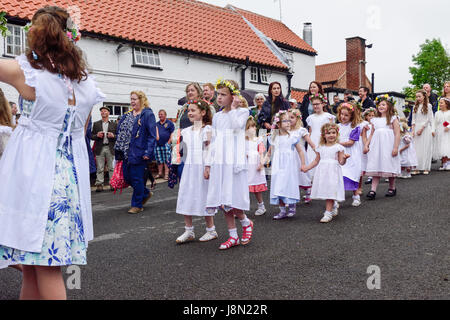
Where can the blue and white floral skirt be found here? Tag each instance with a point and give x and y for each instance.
(64, 235)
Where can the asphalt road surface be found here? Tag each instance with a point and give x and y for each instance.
(404, 240)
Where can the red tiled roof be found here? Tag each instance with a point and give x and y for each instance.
(182, 24)
(298, 95)
(276, 30)
(330, 71)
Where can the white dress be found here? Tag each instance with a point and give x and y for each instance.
(26, 193)
(328, 181)
(228, 182)
(193, 186)
(442, 137)
(408, 158)
(304, 179)
(284, 179)
(424, 142)
(380, 162)
(315, 122)
(352, 168)
(364, 155)
(255, 177)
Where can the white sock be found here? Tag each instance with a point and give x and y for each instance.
(328, 212)
(213, 228)
(356, 197)
(190, 229)
(261, 205)
(245, 222)
(282, 209)
(233, 233)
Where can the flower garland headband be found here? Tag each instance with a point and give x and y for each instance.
(318, 96)
(369, 110)
(295, 112)
(385, 97)
(72, 31)
(229, 85)
(277, 117)
(348, 106)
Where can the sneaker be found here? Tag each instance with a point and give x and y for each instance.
(208, 236)
(260, 211)
(186, 237)
(426, 172)
(231, 242)
(404, 175)
(291, 213)
(135, 210)
(334, 211)
(247, 234)
(356, 202)
(409, 176)
(442, 168)
(327, 217)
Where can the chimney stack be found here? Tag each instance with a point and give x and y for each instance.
(356, 62)
(307, 33)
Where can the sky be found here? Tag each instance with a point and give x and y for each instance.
(396, 28)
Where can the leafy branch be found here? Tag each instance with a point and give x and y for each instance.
(3, 25)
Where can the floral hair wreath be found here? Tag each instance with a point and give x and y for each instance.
(199, 103)
(385, 97)
(348, 106)
(72, 31)
(296, 112)
(229, 85)
(277, 116)
(318, 96)
(369, 110)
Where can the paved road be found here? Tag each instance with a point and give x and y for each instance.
(135, 257)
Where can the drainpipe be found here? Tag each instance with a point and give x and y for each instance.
(247, 62)
(289, 78)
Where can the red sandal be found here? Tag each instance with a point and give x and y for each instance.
(247, 234)
(231, 242)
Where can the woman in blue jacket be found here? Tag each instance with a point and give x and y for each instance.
(136, 135)
(272, 105)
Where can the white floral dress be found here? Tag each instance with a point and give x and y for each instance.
(64, 242)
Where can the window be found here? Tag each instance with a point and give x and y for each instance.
(117, 109)
(15, 43)
(264, 75)
(254, 74)
(259, 75)
(146, 57)
(290, 57)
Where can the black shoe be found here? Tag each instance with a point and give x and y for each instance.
(368, 181)
(371, 195)
(391, 193)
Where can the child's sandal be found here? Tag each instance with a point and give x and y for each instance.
(391, 193)
(231, 242)
(371, 195)
(247, 234)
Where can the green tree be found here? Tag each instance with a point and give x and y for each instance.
(432, 65)
(410, 92)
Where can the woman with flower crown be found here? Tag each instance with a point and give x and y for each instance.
(45, 207)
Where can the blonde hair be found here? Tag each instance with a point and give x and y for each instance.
(325, 128)
(299, 122)
(403, 126)
(5, 111)
(355, 115)
(223, 85)
(142, 98)
(197, 87)
(245, 102)
(250, 123)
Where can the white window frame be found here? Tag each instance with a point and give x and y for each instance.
(123, 109)
(264, 75)
(254, 74)
(143, 57)
(22, 39)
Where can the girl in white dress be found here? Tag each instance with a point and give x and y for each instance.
(257, 183)
(382, 149)
(228, 185)
(315, 123)
(328, 181)
(193, 189)
(366, 134)
(350, 137)
(423, 131)
(297, 129)
(442, 124)
(408, 158)
(284, 181)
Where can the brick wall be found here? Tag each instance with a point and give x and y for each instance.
(356, 51)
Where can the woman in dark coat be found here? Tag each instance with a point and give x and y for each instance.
(274, 103)
(306, 107)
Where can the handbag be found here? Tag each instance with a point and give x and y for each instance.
(117, 181)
